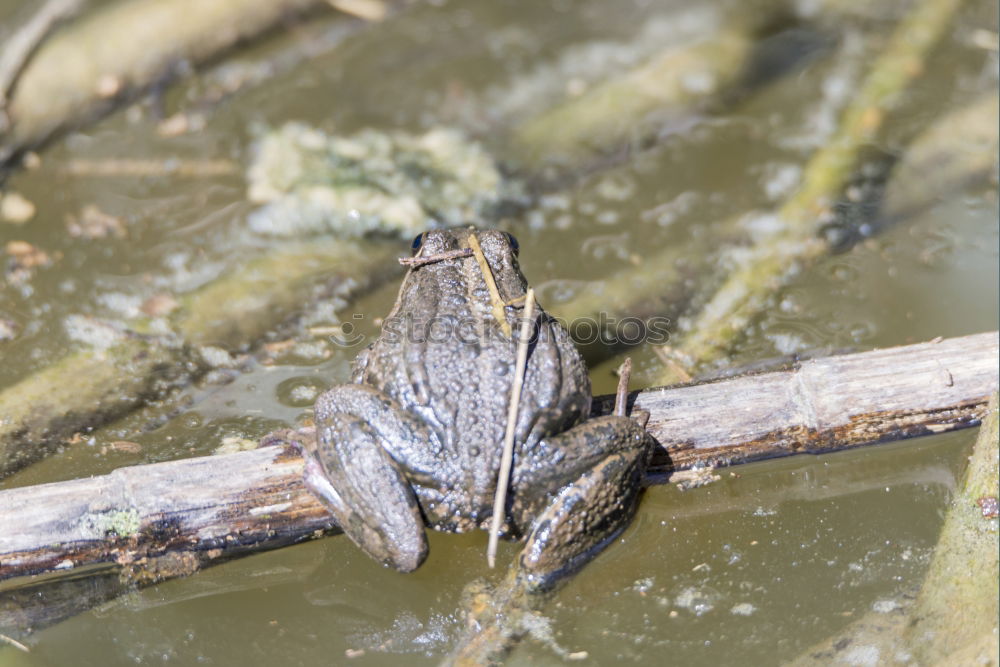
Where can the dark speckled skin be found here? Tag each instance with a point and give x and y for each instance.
(417, 439)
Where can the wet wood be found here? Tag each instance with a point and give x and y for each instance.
(168, 519)
(197, 509)
(824, 405)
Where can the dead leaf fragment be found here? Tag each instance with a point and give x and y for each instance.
(93, 223)
(108, 85)
(126, 446)
(15, 208)
(8, 329)
(159, 305)
(989, 506)
(24, 258)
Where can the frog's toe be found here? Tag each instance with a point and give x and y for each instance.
(583, 518)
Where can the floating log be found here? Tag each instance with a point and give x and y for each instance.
(168, 519)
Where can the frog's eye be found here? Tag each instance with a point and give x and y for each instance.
(515, 246)
(418, 241)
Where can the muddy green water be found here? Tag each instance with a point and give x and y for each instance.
(751, 570)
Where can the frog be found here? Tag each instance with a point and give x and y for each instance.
(414, 441)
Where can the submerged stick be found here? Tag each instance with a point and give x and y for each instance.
(119, 50)
(957, 606)
(507, 456)
(92, 386)
(761, 271)
(19, 47)
(631, 107)
(217, 506)
(951, 619)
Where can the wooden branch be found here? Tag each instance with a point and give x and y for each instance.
(166, 519)
(825, 405)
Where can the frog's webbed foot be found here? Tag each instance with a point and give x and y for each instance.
(354, 476)
(590, 509)
(583, 518)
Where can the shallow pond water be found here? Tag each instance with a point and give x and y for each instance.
(753, 569)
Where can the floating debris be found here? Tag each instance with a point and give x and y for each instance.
(8, 329)
(159, 305)
(401, 184)
(23, 259)
(93, 223)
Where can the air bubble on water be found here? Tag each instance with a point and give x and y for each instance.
(699, 82)
(536, 219)
(786, 343)
(608, 217)
(780, 178)
(762, 226)
(885, 606)
(697, 601)
(303, 393)
(643, 585)
(616, 188)
(126, 305)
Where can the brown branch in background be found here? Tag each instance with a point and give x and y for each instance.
(119, 50)
(18, 48)
(369, 10)
(620, 111)
(139, 167)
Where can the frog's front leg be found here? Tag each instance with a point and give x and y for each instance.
(356, 478)
(591, 509)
